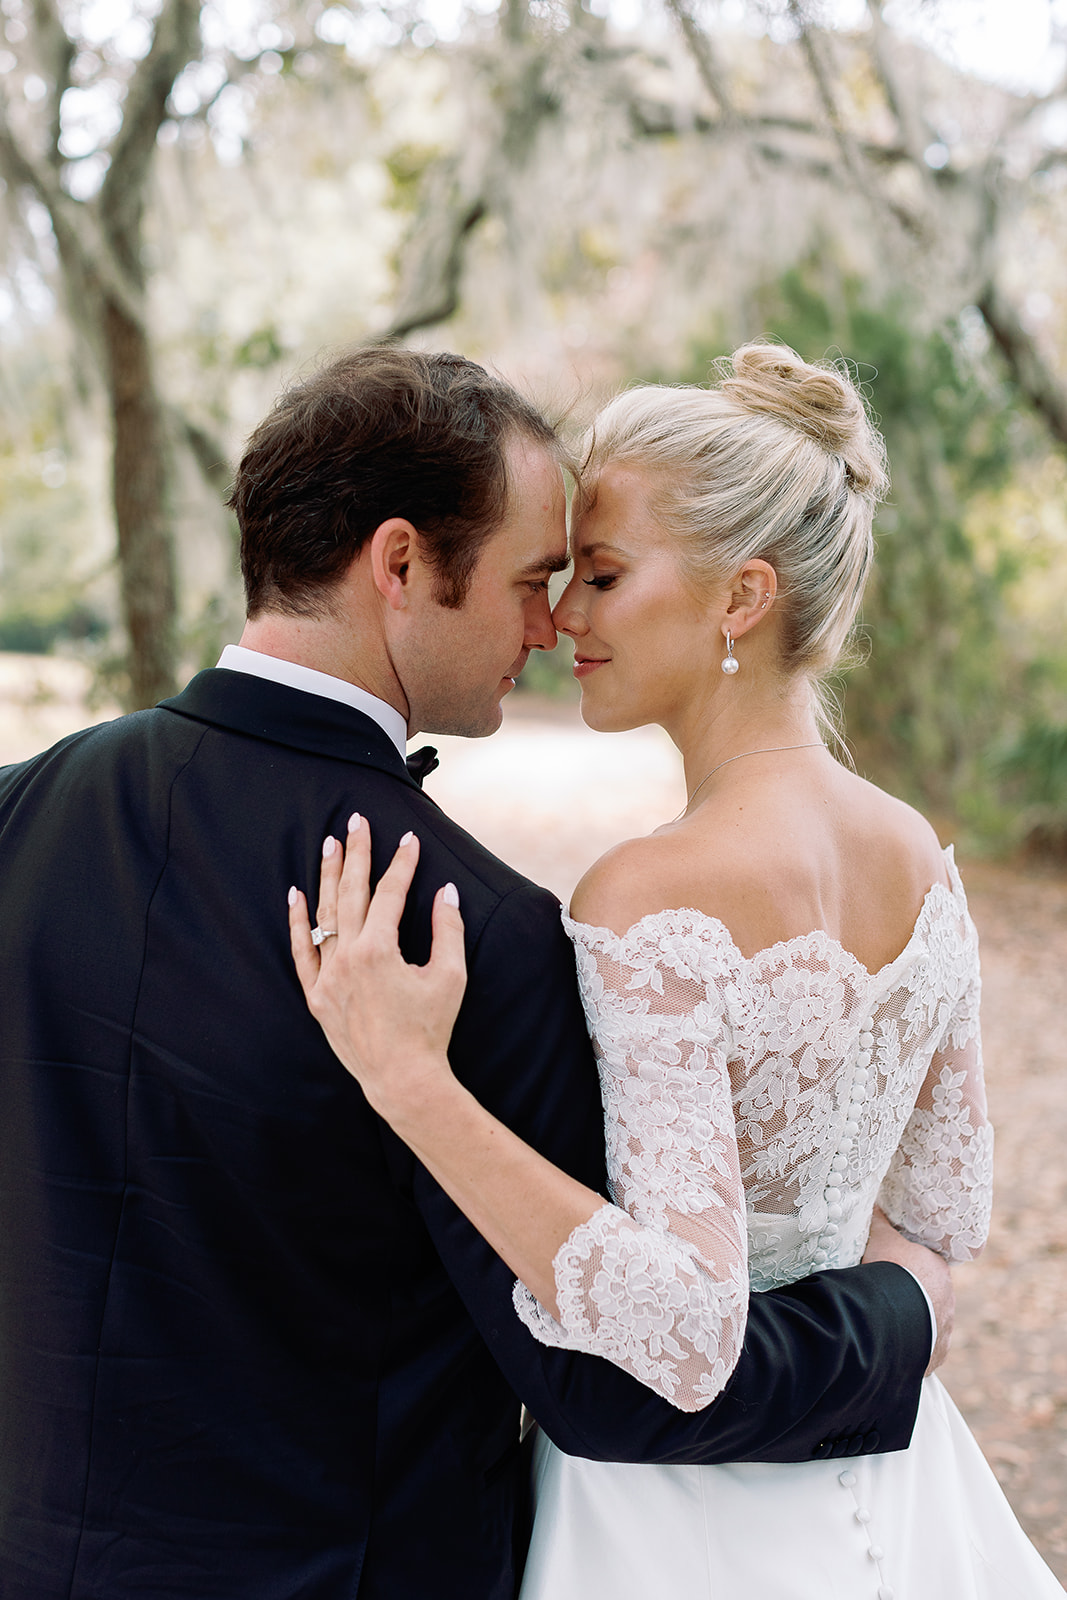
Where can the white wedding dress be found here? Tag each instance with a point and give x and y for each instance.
(755, 1110)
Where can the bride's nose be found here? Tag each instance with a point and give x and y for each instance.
(567, 614)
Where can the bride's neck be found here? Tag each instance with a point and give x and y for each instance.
(741, 719)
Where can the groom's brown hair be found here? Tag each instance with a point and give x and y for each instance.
(377, 433)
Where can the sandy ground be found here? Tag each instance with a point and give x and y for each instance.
(42, 699)
(550, 797)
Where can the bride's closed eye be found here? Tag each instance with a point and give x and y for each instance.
(602, 583)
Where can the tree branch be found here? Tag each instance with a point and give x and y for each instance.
(432, 294)
(55, 51)
(1031, 372)
(175, 42)
(1050, 160)
(700, 48)
(849, 149)
(210, 455)
(914, 134)
(77, 232)
(513, 20)
(853, 153)
(457, 193)
(659, 119)
(846, 144)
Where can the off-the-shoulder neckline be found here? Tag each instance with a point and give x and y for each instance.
(953, 889)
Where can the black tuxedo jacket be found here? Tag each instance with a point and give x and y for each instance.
(248, 1349)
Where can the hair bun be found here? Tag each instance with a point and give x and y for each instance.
(820, 399)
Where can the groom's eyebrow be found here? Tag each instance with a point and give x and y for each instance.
(551, 564)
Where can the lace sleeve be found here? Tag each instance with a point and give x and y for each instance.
(658, 1281)
(939, 1187)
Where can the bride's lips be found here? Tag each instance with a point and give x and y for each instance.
(584, 665)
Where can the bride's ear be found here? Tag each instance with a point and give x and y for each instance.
(751, 597)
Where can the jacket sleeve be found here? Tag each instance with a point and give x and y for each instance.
(830, 1366)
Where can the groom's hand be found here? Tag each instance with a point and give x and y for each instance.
(932, 1271)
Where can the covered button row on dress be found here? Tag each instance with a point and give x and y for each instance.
(839, 1165)
(885, 1591)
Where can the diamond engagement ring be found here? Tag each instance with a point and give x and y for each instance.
(320, 935)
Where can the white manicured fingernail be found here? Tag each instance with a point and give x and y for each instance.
(406, 839)
(450, 895)
(328, 848)
(293, 895)
(354, 821)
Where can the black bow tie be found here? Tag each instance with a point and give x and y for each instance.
(420, 762)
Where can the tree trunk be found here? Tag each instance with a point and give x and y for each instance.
(139, 487)
(1036, 379)
(100, 251)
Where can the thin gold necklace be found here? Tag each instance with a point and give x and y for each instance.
(773, 751)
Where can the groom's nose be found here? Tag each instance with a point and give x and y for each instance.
(540, 632)
(567, 616)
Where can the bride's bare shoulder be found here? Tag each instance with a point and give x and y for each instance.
(632, 880)
(773, 869)
(889, 831)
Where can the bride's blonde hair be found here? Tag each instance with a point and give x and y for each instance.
(778, 460)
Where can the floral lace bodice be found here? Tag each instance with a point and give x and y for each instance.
(755, 1110)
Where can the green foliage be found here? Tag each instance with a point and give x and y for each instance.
(37, 630)
(407, 165)
(1035, 766)
(1039, 757)
(937, 697)
(261, 349)
(43, 533)
(550, 673)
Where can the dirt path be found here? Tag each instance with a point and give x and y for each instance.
(1008, 1366)
(550, 797)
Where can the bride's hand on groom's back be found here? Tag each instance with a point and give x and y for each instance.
(932, 1271)
(388, 1021)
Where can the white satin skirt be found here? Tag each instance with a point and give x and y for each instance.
(926, 1523)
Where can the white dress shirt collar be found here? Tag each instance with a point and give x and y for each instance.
(238, 658)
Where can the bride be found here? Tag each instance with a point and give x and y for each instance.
(782, 987)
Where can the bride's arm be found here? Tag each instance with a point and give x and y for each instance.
(660, 1288)
(659, 1281)
(938, 1190)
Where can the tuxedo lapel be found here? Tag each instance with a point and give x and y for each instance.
(262, 709)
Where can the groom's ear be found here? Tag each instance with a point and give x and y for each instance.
(393, 556)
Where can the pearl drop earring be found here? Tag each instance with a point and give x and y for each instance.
(730, 663)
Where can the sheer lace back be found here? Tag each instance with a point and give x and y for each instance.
(755, 1109)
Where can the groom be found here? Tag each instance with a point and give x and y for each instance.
(248, 1350)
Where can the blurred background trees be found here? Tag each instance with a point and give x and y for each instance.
(199, 198)
(96, 220)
